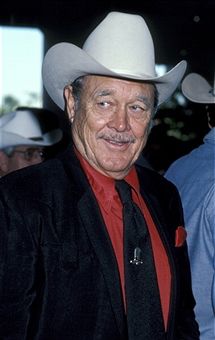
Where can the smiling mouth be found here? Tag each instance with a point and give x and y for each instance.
(118, 142)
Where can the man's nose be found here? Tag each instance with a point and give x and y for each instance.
(120, 120)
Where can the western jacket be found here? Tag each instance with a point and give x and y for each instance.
(59, 278)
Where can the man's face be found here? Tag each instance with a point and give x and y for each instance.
(112, 123)
(24, 156)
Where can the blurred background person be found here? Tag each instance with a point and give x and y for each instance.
(25, 135)
(194, 176)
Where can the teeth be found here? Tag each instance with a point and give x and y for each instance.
(117, 142)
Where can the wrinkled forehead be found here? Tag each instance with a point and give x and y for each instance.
(97, 79)
(103, 85)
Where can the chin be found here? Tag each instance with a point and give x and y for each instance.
(116, 166)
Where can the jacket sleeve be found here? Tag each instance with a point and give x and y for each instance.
(18, 265)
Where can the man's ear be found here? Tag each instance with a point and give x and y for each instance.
(4, 163)
(69, 102)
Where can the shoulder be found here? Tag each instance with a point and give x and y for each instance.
(182, 161)
(32, 180)
(182, 167)
(153, 182)
(161, 194)
(50, 177)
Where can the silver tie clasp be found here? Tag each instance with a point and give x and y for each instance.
(137, 257)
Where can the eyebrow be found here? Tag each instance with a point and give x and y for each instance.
(142, 98)
(108, 92)
(145, 100)
(105, 93)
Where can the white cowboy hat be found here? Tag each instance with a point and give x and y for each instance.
(120, 46)
(23, 128)
(197, 89)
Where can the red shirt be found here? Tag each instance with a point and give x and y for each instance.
(111, 209)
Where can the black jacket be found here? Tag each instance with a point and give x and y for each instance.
(59, 278)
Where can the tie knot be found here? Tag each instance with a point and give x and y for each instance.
(124, 190)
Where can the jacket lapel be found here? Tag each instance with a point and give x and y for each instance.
(96, 230)
(94, 226)
(153, 200)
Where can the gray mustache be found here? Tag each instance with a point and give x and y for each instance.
(118, 138)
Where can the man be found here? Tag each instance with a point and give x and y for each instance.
(71, 268)
(194, 175)
(22, 141)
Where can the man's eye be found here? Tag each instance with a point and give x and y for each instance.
(137, 108)
(103, 104)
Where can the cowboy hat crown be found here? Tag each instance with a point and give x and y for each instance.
(120, 46)
(197, 89)
(22, 127)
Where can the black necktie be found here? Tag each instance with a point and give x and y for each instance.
(144, 314)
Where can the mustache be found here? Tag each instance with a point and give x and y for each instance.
(117, 137)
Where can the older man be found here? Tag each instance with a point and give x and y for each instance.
(22, 139)
(93, 247)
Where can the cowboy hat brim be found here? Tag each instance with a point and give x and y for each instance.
(8, 139)
(197, 89)
(65, 62)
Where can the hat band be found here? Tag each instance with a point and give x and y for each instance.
(212, 91)
(36, 139)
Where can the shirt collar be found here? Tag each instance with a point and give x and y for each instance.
(103, 186)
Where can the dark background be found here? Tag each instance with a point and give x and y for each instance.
(181, 29)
